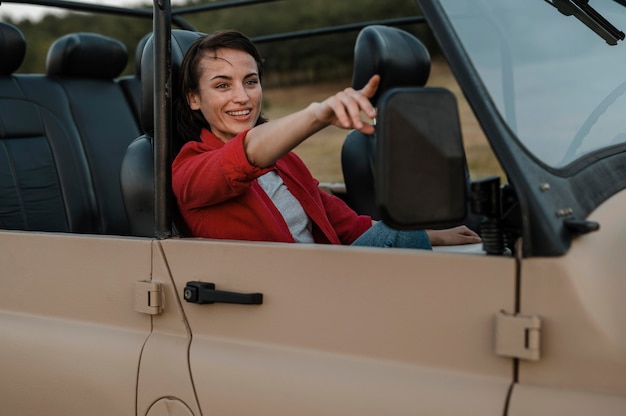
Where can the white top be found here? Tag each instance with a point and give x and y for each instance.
(298, 222)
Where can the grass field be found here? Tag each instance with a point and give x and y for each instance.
(322, 151)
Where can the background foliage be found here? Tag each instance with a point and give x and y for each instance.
(296, 61)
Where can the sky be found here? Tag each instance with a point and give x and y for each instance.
(23, 11)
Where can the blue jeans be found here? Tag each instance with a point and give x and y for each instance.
(379, 235)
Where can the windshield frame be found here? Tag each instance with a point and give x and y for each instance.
(547, 197)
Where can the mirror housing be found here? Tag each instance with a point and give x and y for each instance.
(420, 175)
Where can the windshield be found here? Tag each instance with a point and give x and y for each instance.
(556, 81)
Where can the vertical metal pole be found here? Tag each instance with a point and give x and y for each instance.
(162, 28)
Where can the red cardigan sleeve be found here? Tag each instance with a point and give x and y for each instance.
(210, 172)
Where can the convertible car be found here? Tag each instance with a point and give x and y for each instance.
(108, 306)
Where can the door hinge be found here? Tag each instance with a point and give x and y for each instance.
(148, 297)
(518, 336)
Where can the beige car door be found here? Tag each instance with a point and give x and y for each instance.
(70, 338)
(579, 298)
(343, 330)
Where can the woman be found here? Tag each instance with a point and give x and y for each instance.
(236, 177)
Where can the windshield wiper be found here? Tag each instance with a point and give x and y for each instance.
(581, 10)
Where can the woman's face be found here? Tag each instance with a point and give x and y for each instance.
(230, 93)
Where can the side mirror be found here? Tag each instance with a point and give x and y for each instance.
(420, 174)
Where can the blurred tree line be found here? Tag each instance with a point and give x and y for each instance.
(300, 60)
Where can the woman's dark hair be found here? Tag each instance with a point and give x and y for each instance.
(189, 122)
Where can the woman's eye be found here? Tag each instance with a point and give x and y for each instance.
(252, 82)
(220, 86)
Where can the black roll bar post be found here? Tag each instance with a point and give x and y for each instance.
(162, 29)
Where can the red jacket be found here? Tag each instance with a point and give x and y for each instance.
(219, 197)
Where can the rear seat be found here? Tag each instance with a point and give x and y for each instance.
(85, 65)
(63, 136)
(44, 178)
(131, 84)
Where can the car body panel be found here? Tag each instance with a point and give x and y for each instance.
(166, 383)
(344, 330)
(70, 335)
(529, 400)
(580, 298)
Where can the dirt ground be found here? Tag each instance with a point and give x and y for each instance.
(322, 152)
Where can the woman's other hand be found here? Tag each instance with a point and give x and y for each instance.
(453, 236)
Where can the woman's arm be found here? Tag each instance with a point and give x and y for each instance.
(451, 236)
(268, 142)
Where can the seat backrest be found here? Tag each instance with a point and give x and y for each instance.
(45, 183)
(137, 171)
(86, 65)
(131, 84)
(401, 60)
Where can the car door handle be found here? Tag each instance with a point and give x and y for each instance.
(203, 293)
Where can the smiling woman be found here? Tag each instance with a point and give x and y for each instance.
(236, 176)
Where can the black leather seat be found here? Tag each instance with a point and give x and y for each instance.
(401, 60)
(45, 182)
(86, 65)
(137, 173)
(63, 135)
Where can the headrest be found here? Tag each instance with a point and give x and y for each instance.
(139, 53)
(181, 40)
(397, 56)
(86, 55)
(12, 48)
